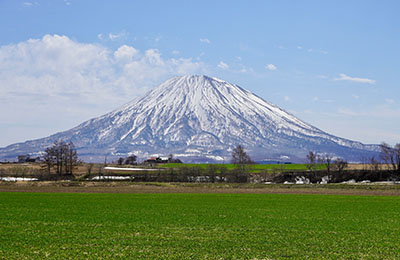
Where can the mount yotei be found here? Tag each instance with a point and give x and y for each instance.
(198, 118)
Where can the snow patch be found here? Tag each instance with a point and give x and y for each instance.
(17, 179)
(129, 169)
(105, 177)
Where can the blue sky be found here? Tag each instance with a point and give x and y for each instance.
(334, 64)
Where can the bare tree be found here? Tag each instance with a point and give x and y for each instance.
(327, 160)
(70, 158)
(374, 164)
(89, 168)
(391, 156)
(239, 156)
(397, 155)
(62, 156)
(311, 161)
(340, 164)
(211, 171)
(48, 160)
(54, 156)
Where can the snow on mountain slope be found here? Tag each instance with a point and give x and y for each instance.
(198, 117)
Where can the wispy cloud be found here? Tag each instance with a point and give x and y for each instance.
(113, 36)
(205, 40)
(116, 36)
(380, 111)
(354, 79)
(311, 50)
(270, 67)
(223, 65)
(29, 4)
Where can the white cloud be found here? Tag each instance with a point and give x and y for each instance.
(175, 52)
(223, 65)
(56, 77)
(353, 79)
(390, 101)
(125, 52)
(205, 40)
(286, 98)
(271, 67)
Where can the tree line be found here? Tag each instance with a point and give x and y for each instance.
(63, 158)
(389, 155)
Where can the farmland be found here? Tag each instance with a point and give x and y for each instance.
(82, 169)
(198, 226)
(252, 167)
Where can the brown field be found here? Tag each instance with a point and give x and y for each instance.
(79, 171)
(359, 166)
(129, 187)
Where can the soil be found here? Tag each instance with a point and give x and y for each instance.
(128, 187)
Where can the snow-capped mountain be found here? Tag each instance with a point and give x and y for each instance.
(198, 118)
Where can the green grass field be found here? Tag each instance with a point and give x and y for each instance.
(198, 226)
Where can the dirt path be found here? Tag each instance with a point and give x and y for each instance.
(126, 187)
